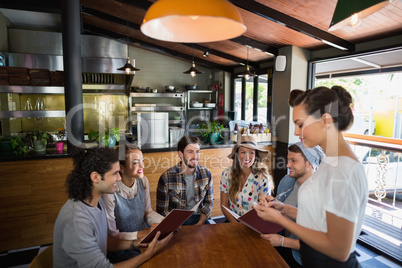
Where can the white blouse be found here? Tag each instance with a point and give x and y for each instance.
(340, 187)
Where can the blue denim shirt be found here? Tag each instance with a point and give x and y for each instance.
(286, 184)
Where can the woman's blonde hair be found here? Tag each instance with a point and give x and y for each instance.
(257, 168)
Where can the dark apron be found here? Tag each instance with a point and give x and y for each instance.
(312, 258)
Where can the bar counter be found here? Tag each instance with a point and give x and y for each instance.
(32, 189)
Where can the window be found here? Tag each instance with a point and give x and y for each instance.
(249, 99)
(255, 95)
(237, 98)
(377, 109)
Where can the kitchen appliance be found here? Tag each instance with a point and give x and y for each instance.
(152, 128)
(176, 134)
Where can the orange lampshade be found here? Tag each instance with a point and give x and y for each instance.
(193, 21)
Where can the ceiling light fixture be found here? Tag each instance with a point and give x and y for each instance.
(247, 74)
(128, 68)
(193, 71)
(351, 13)
(193, 21)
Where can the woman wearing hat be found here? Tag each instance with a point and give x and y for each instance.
(246, 180)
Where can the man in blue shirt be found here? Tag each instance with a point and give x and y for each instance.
(302, 162)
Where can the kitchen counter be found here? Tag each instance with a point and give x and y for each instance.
(51, 153)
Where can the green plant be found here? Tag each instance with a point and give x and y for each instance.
(38, 135)
(105, 137)
(19, 145)
(206, 128)
(61, 133)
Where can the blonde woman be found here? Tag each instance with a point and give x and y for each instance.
(246, 180)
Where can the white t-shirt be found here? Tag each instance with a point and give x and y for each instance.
(340, 187)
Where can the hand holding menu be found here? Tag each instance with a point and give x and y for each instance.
(173, 220)
(252, 220)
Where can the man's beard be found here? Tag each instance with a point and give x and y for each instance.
(188, 164)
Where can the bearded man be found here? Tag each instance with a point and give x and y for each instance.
(187, 183)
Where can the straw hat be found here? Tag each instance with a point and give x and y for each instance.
(251, 143)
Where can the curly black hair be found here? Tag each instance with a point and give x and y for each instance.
(99, 159)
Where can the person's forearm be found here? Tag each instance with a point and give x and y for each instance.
(320, 241)
(227, 215)
(289, 211)
(135, 261)
(203, 218)
(114, 244)
(291, 243)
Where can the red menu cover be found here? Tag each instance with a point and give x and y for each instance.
(253, 221)
(170, 224)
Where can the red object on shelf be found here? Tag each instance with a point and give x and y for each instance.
(220, 100)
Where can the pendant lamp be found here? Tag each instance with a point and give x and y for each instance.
(193, 21)
(128, 68)
(193, 71)
(247, 74)
(351, 12)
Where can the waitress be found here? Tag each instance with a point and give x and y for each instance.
(332, 203)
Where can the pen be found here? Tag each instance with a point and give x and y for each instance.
(281, 194)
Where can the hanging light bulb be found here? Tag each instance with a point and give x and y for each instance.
(193, 71)
(247, 74)
(352, 12)
(128, 68)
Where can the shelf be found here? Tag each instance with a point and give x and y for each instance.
(157, 95)
(172, 122)
(157, 109)
(199, 91)
(31, 90)
(24, 114)
(201, 108)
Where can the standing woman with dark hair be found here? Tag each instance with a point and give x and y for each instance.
(246, 180)
(331, 204)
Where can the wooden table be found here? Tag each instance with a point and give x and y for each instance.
(217, 245)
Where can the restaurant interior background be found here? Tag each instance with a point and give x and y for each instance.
(263, 98)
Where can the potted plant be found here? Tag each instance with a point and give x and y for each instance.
(38, 140)
(19, 145)
(108, 138)
(210, 131)
(61, 133)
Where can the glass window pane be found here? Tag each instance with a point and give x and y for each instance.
(377, 103)
(262, 97)
(249, 99)
(237, 98)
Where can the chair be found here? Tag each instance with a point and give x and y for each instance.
(44, 259)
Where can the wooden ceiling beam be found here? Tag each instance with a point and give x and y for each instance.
(169, 52)
(108, 17)
(295, 24)
(252, 43)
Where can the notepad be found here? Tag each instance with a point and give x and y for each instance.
(171, 223)
(253, 221)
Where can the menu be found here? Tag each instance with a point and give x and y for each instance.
(253, 221)
(171, 223)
